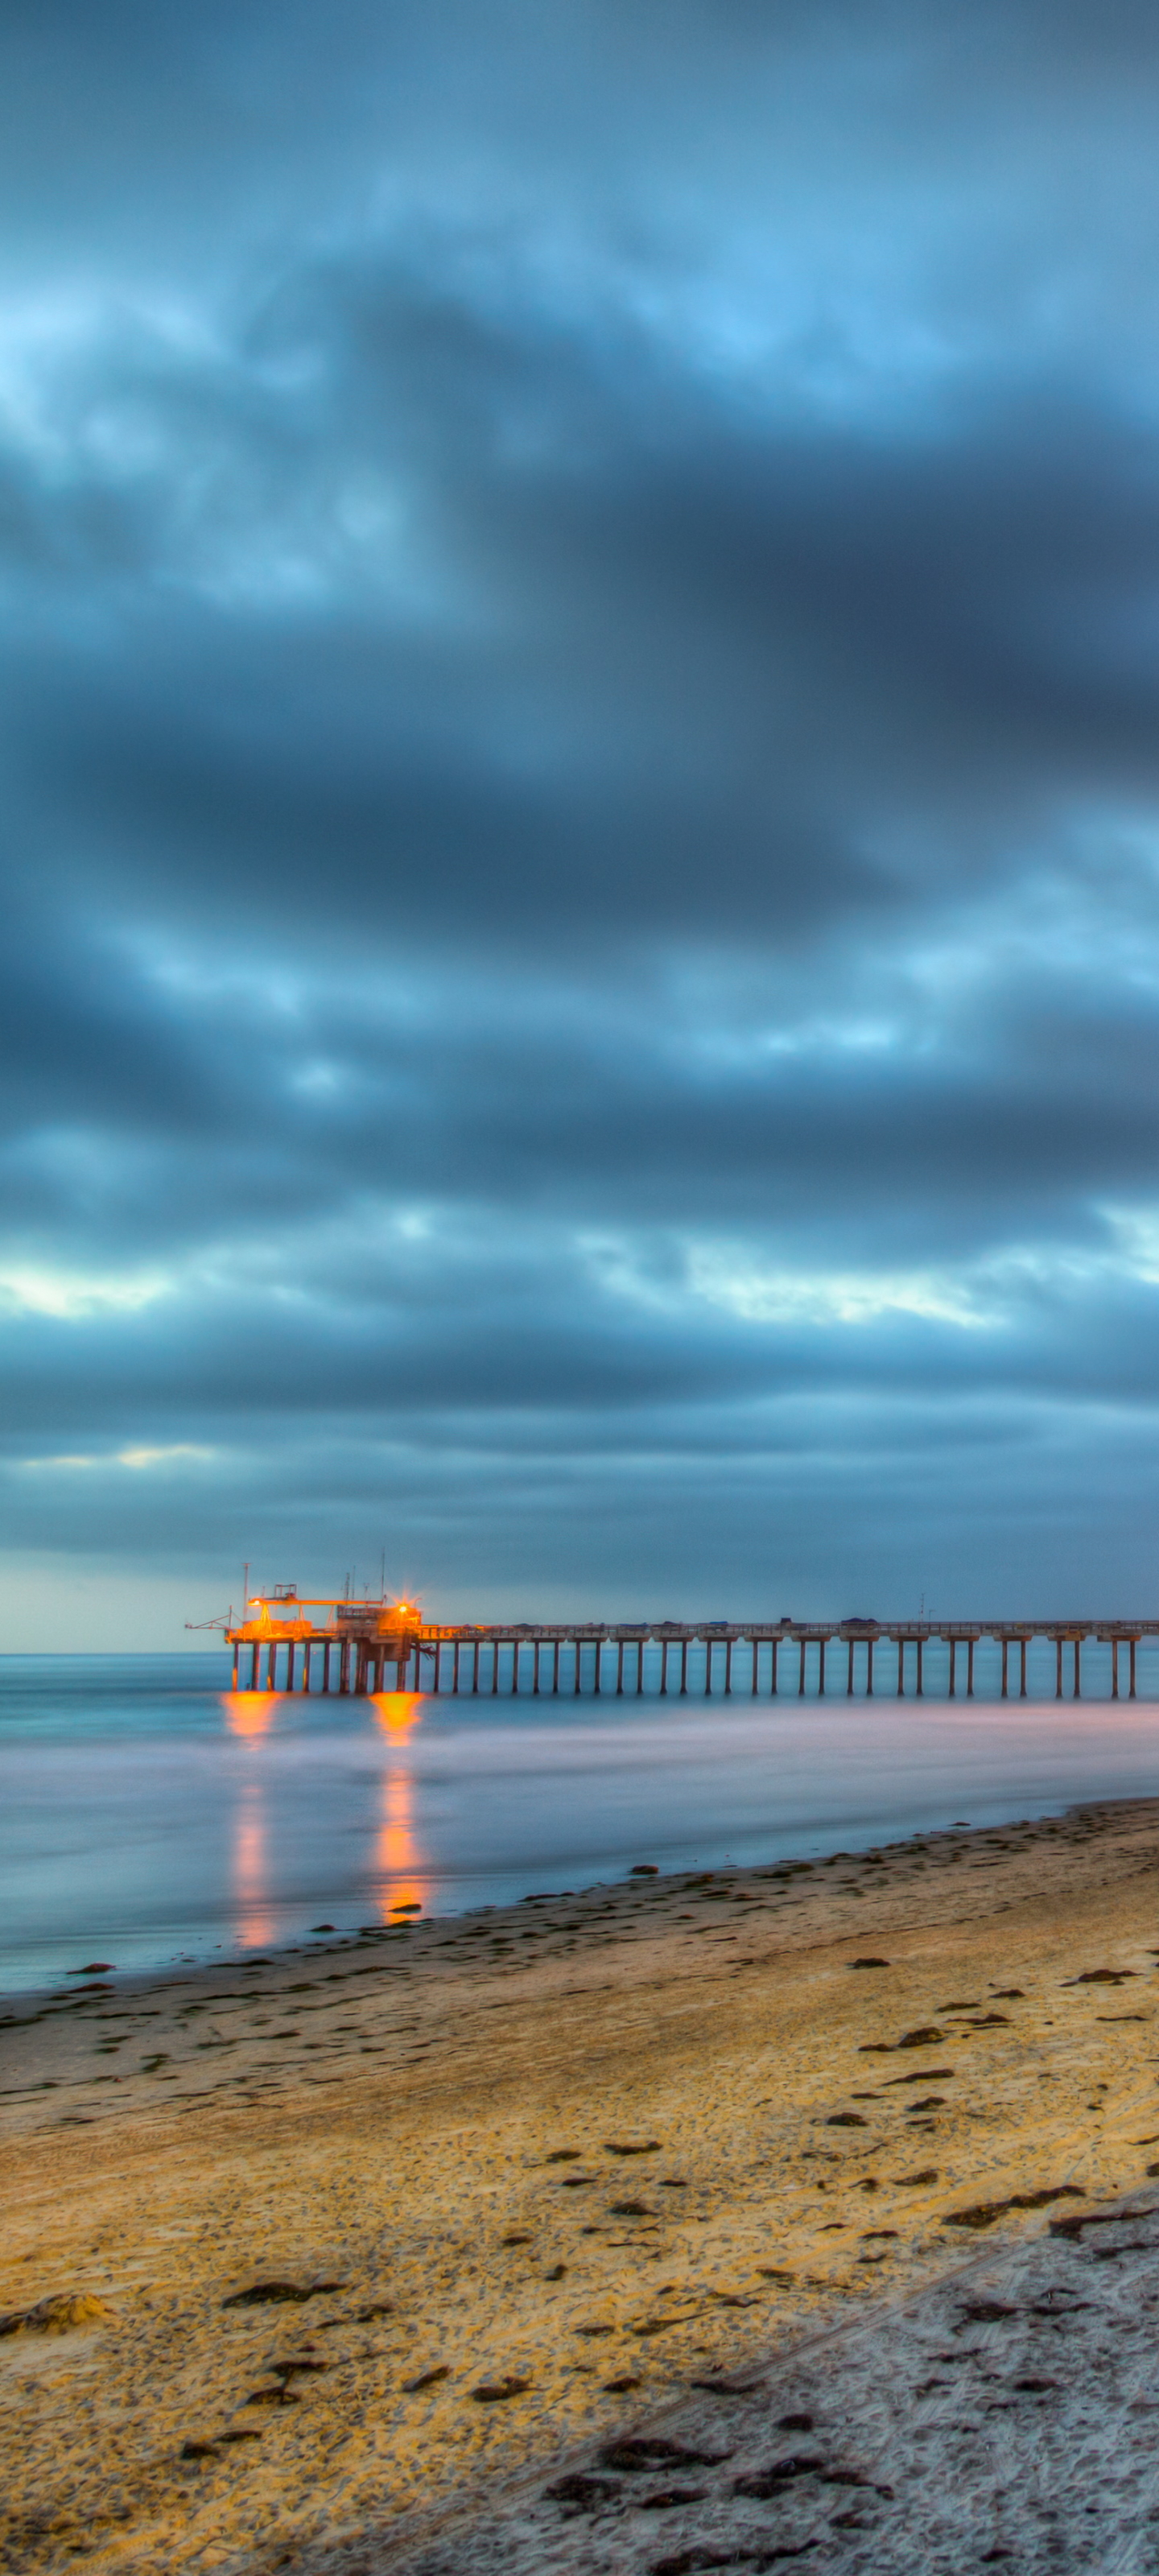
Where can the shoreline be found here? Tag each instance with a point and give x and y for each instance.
(322, 1942)
(656, 2141)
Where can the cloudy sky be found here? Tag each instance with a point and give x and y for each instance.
(580, 633)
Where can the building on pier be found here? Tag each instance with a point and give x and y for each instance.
(288, 1642)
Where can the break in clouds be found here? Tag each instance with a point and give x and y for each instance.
(581, 964)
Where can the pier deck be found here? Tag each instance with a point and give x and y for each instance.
(371, 1646)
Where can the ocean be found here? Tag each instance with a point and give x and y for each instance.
(147, 1815)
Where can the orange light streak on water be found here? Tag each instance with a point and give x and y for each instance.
(250, 1713)
(255, 1926)
(396, 1851)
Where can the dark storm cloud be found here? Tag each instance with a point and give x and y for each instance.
(754, 652)
(578, 608)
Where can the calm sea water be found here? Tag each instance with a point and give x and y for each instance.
(147, 1815)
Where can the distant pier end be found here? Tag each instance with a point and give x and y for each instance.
(366, 1647)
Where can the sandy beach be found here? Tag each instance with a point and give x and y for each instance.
(377, 2242)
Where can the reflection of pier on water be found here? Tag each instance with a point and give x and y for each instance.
(401, 1883)
(250, 1715)
(396, 1853)
(358, 1646)
(255, 1925)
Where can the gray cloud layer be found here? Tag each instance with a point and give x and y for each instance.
(578, 627)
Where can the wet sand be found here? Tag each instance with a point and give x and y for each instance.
(536, 2177)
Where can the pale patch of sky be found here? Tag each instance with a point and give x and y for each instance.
(282, 987)
(983, 1296)
(133, 394)
(138, 1460)
(1136, 1233)
(816, 1038)
(760, 1294)
(70, 1296)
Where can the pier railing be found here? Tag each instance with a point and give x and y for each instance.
(371, 1646)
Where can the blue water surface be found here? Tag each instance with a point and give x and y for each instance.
(147, 1814)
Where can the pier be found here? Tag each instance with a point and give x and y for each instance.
(288, 1643)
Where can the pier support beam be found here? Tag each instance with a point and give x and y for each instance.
(1078, 1686)
(1058, 1668)
(921, 1679)
(640, 1669)
(1005, 1653)
(953, 1667)
(801, 1668)
(756, 1665)
(708, 1668)
(555, 1670)
(970, 1645)
(728, 1669)
(849, 1676)
(1114, 1667)
(901, 1667)
(869, 1645)
(455, 1667)
(236, 1653)
(821, 1669)
(1022, 1678)
(683, 1667)
(620, 1669)
(1131, 1691)
(663, 1667)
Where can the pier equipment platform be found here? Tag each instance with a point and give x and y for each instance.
(372, 1646)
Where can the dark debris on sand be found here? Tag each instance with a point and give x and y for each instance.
(1036, 2447)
